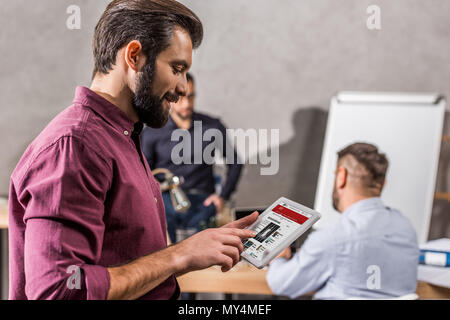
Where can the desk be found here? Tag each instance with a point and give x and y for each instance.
(246, 279)
(243, 279)
(428, 291)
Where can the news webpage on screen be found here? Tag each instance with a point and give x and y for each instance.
(281, 222)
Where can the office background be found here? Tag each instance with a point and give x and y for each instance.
(264, 64)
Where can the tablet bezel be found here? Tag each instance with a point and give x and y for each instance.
(315, 216)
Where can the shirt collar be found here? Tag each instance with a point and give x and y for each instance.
(363, 205)
(137, 130)
(108, 111)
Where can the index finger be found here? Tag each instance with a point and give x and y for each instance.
(241, 233)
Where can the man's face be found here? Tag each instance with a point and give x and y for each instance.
(184, 108)
(160, 83)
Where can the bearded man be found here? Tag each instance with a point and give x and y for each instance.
(87, 219)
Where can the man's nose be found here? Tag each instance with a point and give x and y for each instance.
(182, 86)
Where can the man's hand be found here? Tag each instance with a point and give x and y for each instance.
(217, 200)
(211, 247)
(286, 254)
(222, 246)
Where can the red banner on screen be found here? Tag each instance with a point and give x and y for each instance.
(292, 215)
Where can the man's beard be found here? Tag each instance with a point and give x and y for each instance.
(149, 107)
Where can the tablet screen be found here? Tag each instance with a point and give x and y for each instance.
(275, 226)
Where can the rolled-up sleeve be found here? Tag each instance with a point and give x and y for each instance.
(64, 191)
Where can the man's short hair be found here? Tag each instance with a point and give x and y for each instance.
(151, 22)
(371, 165)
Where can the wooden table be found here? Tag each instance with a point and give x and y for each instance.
(428, 291)
(243, 279)
(246, 279)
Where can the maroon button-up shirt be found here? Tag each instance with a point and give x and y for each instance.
(82, 199)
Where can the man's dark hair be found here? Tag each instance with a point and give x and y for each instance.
(151, 22)
(374, 163)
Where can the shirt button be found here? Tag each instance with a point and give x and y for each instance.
(126, 133)
(156, 200)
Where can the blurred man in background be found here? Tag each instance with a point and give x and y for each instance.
(199, 180)
(371, 252)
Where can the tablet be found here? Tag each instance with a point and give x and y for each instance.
(276, 229)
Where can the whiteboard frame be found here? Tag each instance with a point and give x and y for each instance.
(329, 154)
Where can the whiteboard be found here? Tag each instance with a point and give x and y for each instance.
(408, 129)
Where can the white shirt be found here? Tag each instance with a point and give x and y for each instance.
(371, 252)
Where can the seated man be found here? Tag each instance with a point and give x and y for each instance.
(371, 252)
(199, 182)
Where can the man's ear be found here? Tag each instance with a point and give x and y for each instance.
(134, 56)
(341, 179)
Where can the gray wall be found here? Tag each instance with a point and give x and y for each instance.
(263, 64)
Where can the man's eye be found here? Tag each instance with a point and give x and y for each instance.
(176, 71)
